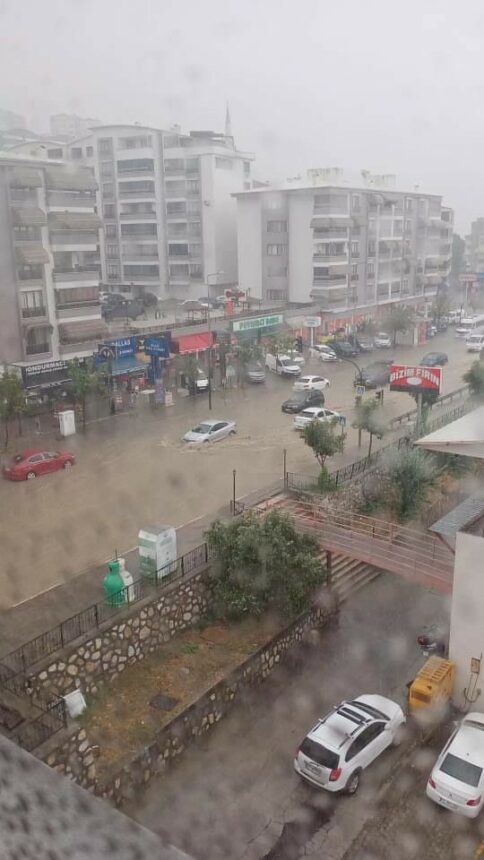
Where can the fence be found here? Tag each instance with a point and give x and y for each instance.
(412, 415)
(33, 733)
(90, 619)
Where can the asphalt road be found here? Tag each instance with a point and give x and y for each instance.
(133, 470)
(234, 794)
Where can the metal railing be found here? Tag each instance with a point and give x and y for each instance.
(34, 732)
(93, 617)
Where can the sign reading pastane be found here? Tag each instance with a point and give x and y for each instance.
(406, 377)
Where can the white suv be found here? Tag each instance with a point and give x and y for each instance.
(347, 740)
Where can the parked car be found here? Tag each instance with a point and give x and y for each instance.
(33, 462)
(364, 343)
(457, 778)
(207, 302)
(305, 383)
(198, 383)
(344, 742)
(256, 372)
(454, 317)
(122, 309)
(343, 348)
(284, 365)
(302, 399)
(475, 342)
(434, 359)
(210, 431)
(315, 413)
(323, 352)
(375, 374)
(383, 340)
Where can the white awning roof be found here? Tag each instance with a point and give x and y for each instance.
(464, 436)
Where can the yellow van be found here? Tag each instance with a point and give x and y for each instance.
(432, 688)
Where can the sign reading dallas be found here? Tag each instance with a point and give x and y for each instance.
(406, 377)
(257, 322)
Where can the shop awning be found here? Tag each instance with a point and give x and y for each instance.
(65, 179)
(74, 220)
(193, 342)
(25, 177)
(79, 332)
(31, 255)
(28, 216)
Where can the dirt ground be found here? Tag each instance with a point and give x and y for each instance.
(120, 719)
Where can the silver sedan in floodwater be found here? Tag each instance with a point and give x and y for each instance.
(210, 431)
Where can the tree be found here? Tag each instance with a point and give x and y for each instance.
(368, 417)
(83, 381)
(263, 564)
(410, 475)
(326, 440)
(282, 344)
(190, 370)
(440, 307)
(474, 378)
(247, 351)
(12, 400)
(400, 319)
(457, 265)
(367, 327)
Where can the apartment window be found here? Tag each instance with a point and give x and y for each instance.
(108, 189)
(276, 250)
(27, 234)
(273, 201)
(141, 271)
(405, 285)
(139, 188)
(395, 288)
(193, 207)
(77, 295)
(192, 165)
(371, 247)
(194, 229)
(320, 273)
(131, 249)
(112, 270)
(142, 229)
(409, 204)
(370, 267)
(246, 168)
(331, 203)
(171, 140)
(89, 151)
(136, 165)
(193, 186)
(276, 295)
(277, 226)
(355, 249)
(175, 189)
(174, 165)
(180, 271)
(371, 225)
(178, 250)
(111, 231)
(196, 271)
(30, 273)
(223, 163)
(32, 303)
(382, 291)
(106, 169)
(54, 153)
(354, 272)
(408, 226)
(355, 203)
(76, 152)
(109, 210)
(112, 251)
(176, 208)
(135, 142)
(105, 145)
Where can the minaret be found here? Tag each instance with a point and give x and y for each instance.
(228, 122)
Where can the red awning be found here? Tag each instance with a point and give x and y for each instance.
(193, 342)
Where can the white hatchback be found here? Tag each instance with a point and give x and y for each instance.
(344, 742)
(457, 778)
(323, 352)
(308, 383)
(316, 413)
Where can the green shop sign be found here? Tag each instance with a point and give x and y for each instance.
(257, 322)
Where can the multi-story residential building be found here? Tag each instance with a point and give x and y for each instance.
(345, 248)
(49, 261)
(167, 207)
(474, 254)
(70, 126)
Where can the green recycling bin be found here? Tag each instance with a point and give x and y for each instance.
(114, 585)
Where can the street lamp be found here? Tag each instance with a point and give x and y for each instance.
(209, 320)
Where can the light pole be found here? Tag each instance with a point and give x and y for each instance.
(209, 321)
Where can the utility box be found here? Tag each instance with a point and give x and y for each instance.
(157, 551)
(432, 688)
(67, 422)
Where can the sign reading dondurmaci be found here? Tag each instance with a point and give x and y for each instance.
(257, 322)
(407, 377)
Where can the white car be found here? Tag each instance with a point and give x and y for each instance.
(316, 413)
(345, 741)
(457, 778)
(383, 340)
(307, 383)
(323, 352)
(284, 365)
(210, 431)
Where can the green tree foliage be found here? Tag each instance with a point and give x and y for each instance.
(440, 307)
(325, 438)
(399, 319)
(458, 251)
(263, 564)
(282, 344)
(190, 369)
(369, 417)
(474, 378)
(84, 381)
(12, 400)
(410, 474)
(367, 327)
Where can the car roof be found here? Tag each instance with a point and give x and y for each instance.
(310, 376)
(468, 742)
(28, 452)
(314, 409)
(214, 421)
(347, 720)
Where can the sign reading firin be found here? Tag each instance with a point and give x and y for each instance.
(411, 378)
(257, 323)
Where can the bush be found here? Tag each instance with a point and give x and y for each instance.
(410, 474)
(326, 482)
(262, 564)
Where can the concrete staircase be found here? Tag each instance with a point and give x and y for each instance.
(348, 575)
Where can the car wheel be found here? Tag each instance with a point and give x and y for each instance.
(351, 786)
(30, 476)
(232, 432)
(398, 737)
(68, 464)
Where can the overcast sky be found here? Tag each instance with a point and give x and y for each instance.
(396, 88)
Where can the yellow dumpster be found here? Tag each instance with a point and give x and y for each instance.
(432, 688)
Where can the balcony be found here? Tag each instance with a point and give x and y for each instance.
(42, 349)
(140, 195)
(55, 199)
(331, 258)
(78, 309)
(138, 216)
(329, 282)
(136, 257)
(33, 313)
(84, 273)
(136, 171)
(74, 237)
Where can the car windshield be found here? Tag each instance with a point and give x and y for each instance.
(201, 373)
(297, 398)
(308, 413)
(382, 334)
(18, 458)
(256, 365)
(462, 770)
(287, 362)
(202, 428)
(320, 754)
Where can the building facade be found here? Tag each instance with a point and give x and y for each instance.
(474, 252)
(341, 247)
(166, 202)
(49, 262)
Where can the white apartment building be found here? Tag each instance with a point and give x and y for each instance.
(49, 261)
(70, 126)
(167, 207)
(344, 248)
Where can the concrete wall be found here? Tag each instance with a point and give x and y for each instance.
(467, 621)
(301, 246)
(249, 243)
(10, 337)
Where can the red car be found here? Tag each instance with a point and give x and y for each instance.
(32, 462)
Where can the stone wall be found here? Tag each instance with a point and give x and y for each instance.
(200, 717)
(71, 754)
(129, 640)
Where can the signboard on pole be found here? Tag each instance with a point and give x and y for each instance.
(312, 322)
(257, 323)
(156, 346)
(412, 379)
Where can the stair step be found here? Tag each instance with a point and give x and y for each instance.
(353, 587)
